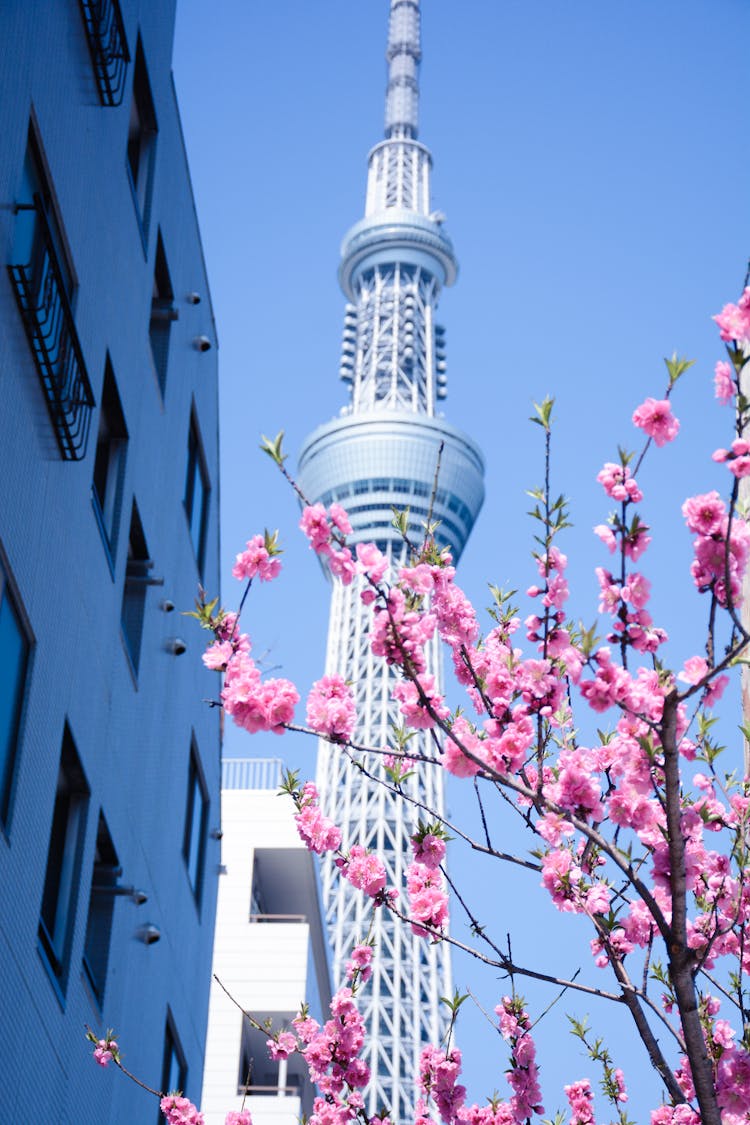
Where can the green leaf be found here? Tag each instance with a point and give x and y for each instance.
(543, 416)
(401, 520)
(272, 446)
(271, 542)
(677, 367)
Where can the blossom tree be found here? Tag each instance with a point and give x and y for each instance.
(639, 826)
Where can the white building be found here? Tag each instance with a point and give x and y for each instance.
(269, 950)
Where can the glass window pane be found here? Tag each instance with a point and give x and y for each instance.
(13, 659)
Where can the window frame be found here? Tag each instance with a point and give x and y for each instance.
(163, 313)
(134, 592)
(9, 753)
(105, 871)
(197, 471)
(140, 149)
(108, 507)
(173, 1050)
(195, 836)
(45, 285)
(62, 878)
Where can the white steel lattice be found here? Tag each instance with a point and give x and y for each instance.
(401, 1003)
(383, 451)
(394, 367)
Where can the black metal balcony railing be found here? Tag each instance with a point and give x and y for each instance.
(48, 319)
(108, 46)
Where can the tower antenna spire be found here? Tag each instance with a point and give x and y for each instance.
(378, 455)
(404, 54)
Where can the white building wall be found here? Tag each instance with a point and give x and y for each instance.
(261, 958)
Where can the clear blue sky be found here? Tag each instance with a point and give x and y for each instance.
(590, 157)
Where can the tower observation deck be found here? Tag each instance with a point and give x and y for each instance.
(382, 452)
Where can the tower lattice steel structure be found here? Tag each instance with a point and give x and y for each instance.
(381, 452)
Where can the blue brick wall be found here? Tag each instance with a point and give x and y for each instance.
(133, 737)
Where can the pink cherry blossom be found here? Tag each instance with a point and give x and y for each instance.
(180, 1111)
(428, 902)
(254, 561)
(364, 870)
(282, 1046)
(581, 1100)
(105, 1050)
(704, 514)
(415, 698)
(330, 708)
(371, 561)
(429, 850)
(217, 656)
(618, 483)
(317, 832)
(724, 384)
(238, 1118)
(256, 704)
(734, 320)
(654, 417)
(360, 963)
(314, 523)
(455, 760)
(607, 536)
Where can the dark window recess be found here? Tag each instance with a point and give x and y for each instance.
(258, 1075)
(43, 283)
(101, 911)
(62, 877)
(173, 1067)
(257, 903)
(108, 46)
(109, 463)
(197, 492)
(137, 582)
(142, 131)
(196, 824)
(163, 312)
(15, 649)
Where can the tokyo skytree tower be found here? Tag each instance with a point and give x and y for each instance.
(382, 452)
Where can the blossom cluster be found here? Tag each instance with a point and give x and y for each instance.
(325, 531)
(330, 708)
(317, 832)
(734, 320)
(602, 813)
(180, 1111)
(428, 901)
(256, 704)
(721, 549)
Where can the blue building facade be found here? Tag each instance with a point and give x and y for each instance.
(109, 759)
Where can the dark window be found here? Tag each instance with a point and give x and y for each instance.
(62, 877)
(163, 313)
(174, 1067)
(135, 589)
(109, 463)
(101, 911)
(14, 660)
(196, 823)
(108, 46)
(197, 492)
(142, 140)
(257, 903)
(36, 204)
(44, 285)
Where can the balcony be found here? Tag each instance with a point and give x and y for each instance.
(48, 319)
(108, 46)
(251, 773)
